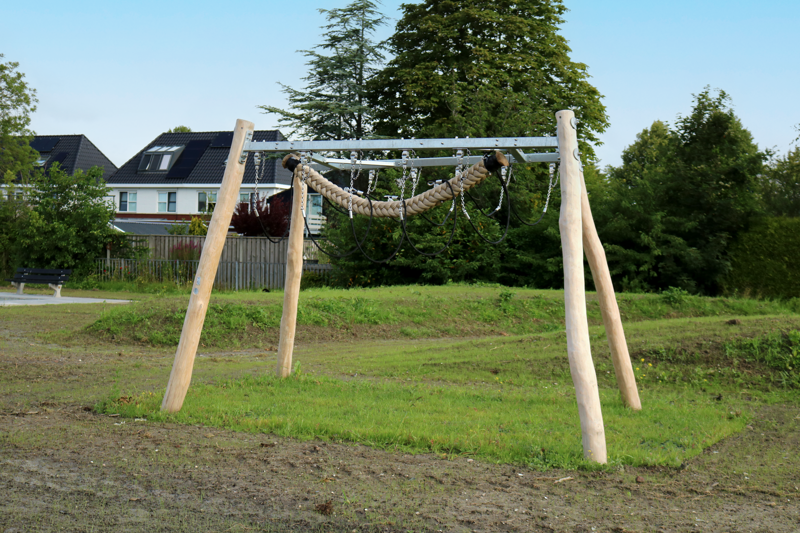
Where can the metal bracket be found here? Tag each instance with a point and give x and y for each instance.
(248, 136)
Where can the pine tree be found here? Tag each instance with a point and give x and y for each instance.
(334, 104)
(483, 68)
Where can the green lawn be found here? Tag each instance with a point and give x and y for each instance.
(479, 371)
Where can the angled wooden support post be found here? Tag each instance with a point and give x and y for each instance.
(580, 357)
(626, 380)
(228, 197)
(294, 271)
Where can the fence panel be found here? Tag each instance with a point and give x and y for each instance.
(231, 275)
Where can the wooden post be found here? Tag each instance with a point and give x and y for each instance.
(626, 381)
(294, 273)
(578, 347)
(228, 197)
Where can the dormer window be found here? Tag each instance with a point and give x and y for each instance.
(158, 158)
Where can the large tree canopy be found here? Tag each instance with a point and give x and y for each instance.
(482, 68)
(679, 198)
(334, 103)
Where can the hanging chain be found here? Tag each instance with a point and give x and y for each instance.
(550, 188)
(371, 181)
(415, 174)
(305, 159)
(402, 181)
(505, 177)
(460, 175)
(353, 156)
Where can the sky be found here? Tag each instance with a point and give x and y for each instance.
(123, 72)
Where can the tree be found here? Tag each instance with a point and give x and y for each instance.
(780, 186)
(483, 68)
(180, 129)
(68, 223)
(334, 103)
(17, 102)
(681, 196)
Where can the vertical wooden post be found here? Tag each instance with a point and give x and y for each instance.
(228, 197)
(294, 273)
(578, 346)
(626, 380)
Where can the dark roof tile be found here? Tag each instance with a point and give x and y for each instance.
(209, 167)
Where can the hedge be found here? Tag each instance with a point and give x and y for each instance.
(765, 261)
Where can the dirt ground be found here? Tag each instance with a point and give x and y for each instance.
(64, 467)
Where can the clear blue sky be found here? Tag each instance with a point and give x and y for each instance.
(122, 72)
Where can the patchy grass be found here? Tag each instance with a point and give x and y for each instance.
(242, 320)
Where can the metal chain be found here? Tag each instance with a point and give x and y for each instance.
(415, 174)
(371, 181)
(305, 159)
(550, 188)
(460, 176)
(402, 181)
(353, 156)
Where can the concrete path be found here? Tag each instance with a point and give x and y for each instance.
(12, 298)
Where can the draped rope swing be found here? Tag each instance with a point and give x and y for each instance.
(578, 236)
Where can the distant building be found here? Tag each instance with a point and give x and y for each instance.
(178, 175)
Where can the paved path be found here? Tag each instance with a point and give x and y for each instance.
(12, 298)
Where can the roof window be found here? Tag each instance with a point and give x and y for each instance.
(42, 160)
(159, 158)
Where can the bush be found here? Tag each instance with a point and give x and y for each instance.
(765, 260)
(185, 251)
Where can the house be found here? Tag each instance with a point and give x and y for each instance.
(72, 152)
(178, 176)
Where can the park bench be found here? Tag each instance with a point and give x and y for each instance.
(54, 277)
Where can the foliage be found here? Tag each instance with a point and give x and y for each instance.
(198, 227)
(680, 197)
(780, 186)
(17, 102)
(483, 68)
(185, 251)
(764, 260)
(179, 228)
(68, 224)
(268, 216)
(180, 129)
(467, 258)
(779, 351)
(13, 215)
(334, 104)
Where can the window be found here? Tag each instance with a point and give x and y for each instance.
(161, 158)
(314, 206)
(244, 197)
(127, 202)
(167, 202)
(42, 160)
(206, 201)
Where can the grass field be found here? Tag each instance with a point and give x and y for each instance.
(475, 371)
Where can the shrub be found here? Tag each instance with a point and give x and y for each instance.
(185, 251)
(765, 260)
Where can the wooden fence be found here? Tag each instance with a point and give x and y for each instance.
(242, 249)
(246, 262)
(231, 275)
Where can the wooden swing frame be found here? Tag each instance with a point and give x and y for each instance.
(578, 236)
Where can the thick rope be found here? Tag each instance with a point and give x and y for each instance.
(413, 206)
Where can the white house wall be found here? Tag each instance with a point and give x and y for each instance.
(186, 199)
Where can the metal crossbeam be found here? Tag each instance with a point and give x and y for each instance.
(367, 164)
(494, 143)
